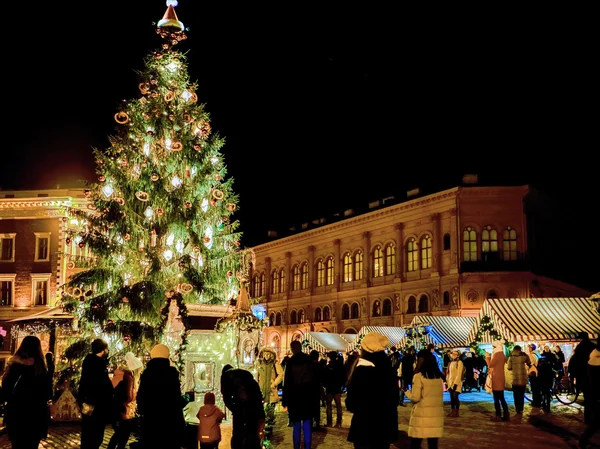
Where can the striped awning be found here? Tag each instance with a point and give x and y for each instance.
(535, 319)
(447, 331)
(324, 341)
(394, 334)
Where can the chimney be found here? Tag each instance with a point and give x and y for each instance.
(469, 179)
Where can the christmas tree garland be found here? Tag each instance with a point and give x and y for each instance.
(486, 325)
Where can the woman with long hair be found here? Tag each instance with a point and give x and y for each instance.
(125, 410)
(427, 395)
(28, 389)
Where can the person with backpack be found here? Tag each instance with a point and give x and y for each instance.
(27, 389)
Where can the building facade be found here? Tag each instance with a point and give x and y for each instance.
(440, 254)
(35, 256)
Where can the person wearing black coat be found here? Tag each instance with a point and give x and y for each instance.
(27, 388)
(160, 403)
(372, 397)
(95, 395)
(242, 396)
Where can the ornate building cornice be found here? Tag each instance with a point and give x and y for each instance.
(391, 210)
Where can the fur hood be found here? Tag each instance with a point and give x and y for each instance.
(18, 360)
(594, 358)
(265, 350)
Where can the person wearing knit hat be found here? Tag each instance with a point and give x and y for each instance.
(95, 395)
(132, 361)
(160, 351)
(160, 403)
(372, 396)
(210, 417)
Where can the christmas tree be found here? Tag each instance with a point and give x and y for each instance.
(159, 227)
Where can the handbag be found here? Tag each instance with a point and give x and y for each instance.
(488, 382)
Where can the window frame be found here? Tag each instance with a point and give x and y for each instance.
(8, 236)
(348, 267)
(304, 276)
(330, 271)
(508, 241)
(40, 277)
(358, 265)
(426, 246)
(275, 281)
(38, 237)
(320, 273)
(6, 277)
(378, 262)
(296, 278)
(412, 255)
(390, 259)
(470, 252)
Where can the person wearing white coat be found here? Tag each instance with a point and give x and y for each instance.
(454, 380)
(427, 396)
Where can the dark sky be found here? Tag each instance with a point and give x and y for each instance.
(323, 106)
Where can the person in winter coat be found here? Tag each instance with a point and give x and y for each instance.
(269, 376)
(454, 380)
(28, 389)
(406, 370)
(210, 417)
(95, 395)
(427, 395)
(334, 380)
(496, 369)
(372, 396)
(592, 399)
(300, 393)
(536, 392)
(546, 375)
(242, 396)
(577, 368)
(160, 403)
(519, 364)
(124, 410)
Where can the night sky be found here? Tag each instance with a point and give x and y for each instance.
(323, 106)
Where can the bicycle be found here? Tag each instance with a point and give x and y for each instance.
(563, 390)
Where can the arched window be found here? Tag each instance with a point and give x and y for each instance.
(350, 331)
(491, 294)
(330, 274)
(345, 312)
(282, 286)
(446, 298)
(377, 262)
(358, 265)
(272, 319)
(489, 240)
(446, 242)
(275, 282)
(320, 273)
(278, 319)
(412, 305)
(426, 252)
(469, 244)
(296, 278)
(354, 311)
(387, 307)
(263, 281)
(390, 259)
(304, 276)
(423, 304)
(412, 255)
(347, 267)
(376, 308)
(509, 244)
(301, 318)
(326, 313)
(256, 289)
(293, 317)
(318, 315)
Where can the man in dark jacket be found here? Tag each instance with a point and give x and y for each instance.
(407, 368)
(160, 403)
(242, 396)
(300, 391)
(578, 368)
(95, 395)
(592, 400)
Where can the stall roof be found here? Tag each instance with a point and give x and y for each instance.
(55, 313)
(394, 334)
(534, 319)
(329, 342)
(448, 331)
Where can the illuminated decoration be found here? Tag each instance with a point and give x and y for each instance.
(486, 325)
(415, 335)
(142, 253)
(108, 190)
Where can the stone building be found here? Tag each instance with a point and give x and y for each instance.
(439, 254)
(35, 258)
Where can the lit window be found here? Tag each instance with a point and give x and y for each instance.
(282, 286)
(256, 285)
(262, 284)
(7, 247)
(509, 244)
(304, 276)
(426, 252)
(390, 259)
(296, 278)
(377, 262)
(330, 271)
(275, 282)
(347, 268)
(320, 274)
(489, 240)
(469, 245)
(358, 266)
(40, 289)
(412, 255)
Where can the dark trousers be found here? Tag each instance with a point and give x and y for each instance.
(454, 401)
(406, 383)
(415, 443)
(92, 431)
(536, 391)
(500, 401)
(519, 397)
(244, 433)
(299, 428)
(329, 398)
(123, 429)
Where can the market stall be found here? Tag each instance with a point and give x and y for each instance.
(446, 331)
(325, 341)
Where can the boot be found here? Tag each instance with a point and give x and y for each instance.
(453, 413)
(456, 413)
